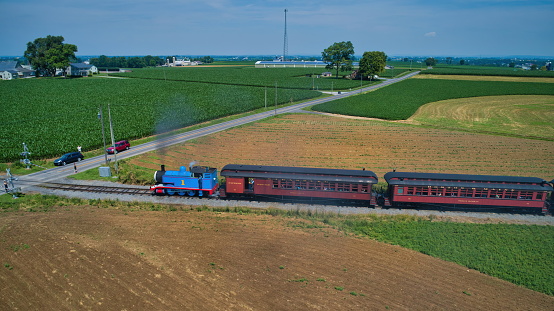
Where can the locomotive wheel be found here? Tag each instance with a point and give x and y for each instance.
(191, 193)
(181, 193)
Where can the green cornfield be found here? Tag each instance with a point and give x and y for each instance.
(487, 71)
(291, 78)
(401, 100)
(54, 116)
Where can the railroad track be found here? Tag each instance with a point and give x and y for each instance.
(144, 194)
(94, 188)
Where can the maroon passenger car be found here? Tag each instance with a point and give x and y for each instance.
(284, 181)
(459, 190)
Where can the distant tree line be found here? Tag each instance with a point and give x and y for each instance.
(204, 59)
(104, 61)
(534, 64)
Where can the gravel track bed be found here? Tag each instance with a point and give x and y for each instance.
(481, 217)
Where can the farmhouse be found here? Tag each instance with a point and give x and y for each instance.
(81, 69)
(12, 70)
(181, 62)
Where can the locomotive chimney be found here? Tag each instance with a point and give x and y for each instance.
(163, 168)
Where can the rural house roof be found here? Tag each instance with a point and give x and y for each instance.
(8, 65)
(13, 67)
(80, 66)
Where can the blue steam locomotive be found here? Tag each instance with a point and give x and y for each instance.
(197, 181)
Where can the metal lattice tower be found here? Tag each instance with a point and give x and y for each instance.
(286, 43)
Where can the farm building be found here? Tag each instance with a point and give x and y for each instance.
(181, 62)
(81, 69)
(12, 70)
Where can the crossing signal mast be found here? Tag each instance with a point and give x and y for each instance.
(286, 43)
(25, 157)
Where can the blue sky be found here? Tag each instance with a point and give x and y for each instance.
(238, 27)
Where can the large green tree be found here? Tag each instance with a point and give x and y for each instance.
(48, 54)
(430, 62)
(339, 56)
(372, 63)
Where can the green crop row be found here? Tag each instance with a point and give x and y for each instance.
(292, 78)
(54, 116)
(401, 100)
(488, 71)
(516, 253)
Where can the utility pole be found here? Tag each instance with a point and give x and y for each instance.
(113, 141)
(101, 117)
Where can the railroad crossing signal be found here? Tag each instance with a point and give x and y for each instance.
(9, 182)
(25, 154)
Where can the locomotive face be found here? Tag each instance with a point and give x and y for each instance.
(158, 176)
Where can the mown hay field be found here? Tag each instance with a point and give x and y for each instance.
(523, 115)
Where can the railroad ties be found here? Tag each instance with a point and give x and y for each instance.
(93, 188)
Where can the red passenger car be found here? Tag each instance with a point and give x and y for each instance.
(284, 181)
(459, 190)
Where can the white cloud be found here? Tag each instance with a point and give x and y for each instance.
(430, 34)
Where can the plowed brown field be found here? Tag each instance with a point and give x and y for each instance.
(326, 141)
(84, 258)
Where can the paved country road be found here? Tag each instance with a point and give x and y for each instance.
(64, 171)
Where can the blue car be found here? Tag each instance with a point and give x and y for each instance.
(69, 157)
